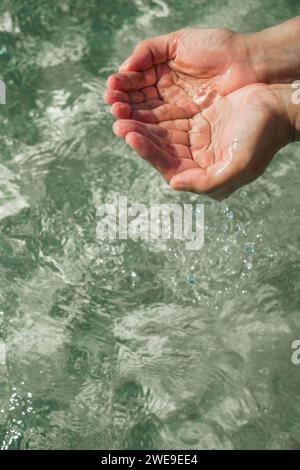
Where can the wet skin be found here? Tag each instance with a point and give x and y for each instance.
(191, 103)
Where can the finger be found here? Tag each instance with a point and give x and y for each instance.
(132, 81)
(121, 110)
(124, 126)
(200, 135)
(161, 140)
(177, 124)
(149, 104)
(163, 161)
(165, 112)
(112, 96)
(126, 110)
(147, 93)
(152, 51)
(176, 150)
(194, 180)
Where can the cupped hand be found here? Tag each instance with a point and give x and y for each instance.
(187, 102)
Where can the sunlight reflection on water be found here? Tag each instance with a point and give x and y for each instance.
(128, 344)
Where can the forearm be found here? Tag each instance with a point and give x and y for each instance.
(275, 52)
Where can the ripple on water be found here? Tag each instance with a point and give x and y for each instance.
(127, 344)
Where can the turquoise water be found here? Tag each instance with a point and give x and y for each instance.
(129, 344)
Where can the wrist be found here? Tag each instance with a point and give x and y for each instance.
(274, 53)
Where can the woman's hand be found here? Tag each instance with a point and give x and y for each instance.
(188, 102)
(179, 74)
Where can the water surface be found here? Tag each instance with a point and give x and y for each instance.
(129, 344)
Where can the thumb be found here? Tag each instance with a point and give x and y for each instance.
(151, 52)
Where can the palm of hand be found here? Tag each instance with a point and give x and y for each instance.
(179, 114)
